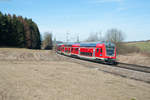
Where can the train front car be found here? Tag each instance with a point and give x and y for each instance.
(107, 52)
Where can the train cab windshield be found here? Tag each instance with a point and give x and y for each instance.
(110, 49)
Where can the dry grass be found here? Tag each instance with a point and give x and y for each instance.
(143, 45)
(41, 75)
(65, 81)
(133, 54)
(126, 49)
(135, 58)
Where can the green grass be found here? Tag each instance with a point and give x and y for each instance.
(133, 99)
(144, 46)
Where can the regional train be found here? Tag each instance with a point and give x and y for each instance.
(97, 51)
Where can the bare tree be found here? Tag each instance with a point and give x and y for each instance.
(114, 35)
(47, 42)
(94, 37)
(117, 37)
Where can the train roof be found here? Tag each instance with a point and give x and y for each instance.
(70, 43)
(87, 44)
(59, 44)
(94, 44)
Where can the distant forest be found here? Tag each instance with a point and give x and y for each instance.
(16, 31)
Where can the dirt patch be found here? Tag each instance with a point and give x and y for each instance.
(13, 54)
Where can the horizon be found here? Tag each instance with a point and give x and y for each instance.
(82, 17)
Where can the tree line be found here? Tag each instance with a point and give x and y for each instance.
(112, 35)
(16, 31)
(117, 37)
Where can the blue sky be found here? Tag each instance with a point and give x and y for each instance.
(81, 17)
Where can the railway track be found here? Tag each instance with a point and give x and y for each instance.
(140, 68)
(135, 72)
(131, 71)
(134, 67)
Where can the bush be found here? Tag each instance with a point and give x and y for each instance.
(124, 49)
(47, 42)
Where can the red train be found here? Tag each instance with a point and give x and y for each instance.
(99, 51)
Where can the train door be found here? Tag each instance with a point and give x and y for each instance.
(98, 52)
(72, 50)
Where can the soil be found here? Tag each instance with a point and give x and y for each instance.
(44, 75)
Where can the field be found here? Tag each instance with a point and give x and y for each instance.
(135, 58)
(143, 45)
(138, 57)
(43, 75)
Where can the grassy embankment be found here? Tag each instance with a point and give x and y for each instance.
(142, 45)
(136, 53)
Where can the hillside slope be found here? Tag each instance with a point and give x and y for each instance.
(143, 45)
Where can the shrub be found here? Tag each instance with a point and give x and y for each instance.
(124, 49)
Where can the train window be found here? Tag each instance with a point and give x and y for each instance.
(82, 53)
(86, 53)
(76, 49)
(97, 50)
(101, 50)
